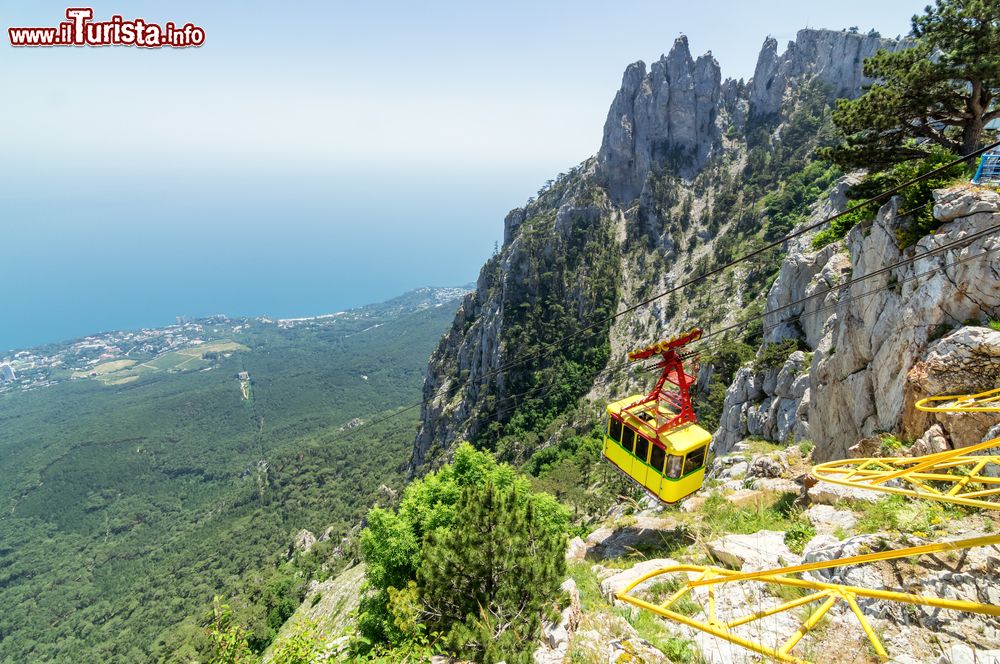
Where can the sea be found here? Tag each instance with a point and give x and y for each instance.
(86, 255)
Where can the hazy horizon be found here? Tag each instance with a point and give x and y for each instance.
(317, 157)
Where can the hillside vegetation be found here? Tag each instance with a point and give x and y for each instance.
(127, 508)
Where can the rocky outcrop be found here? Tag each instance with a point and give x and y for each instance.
(873, 344)
(965, 361)
(675, 115)
(303, 542)
(771, 405)
(556, 636)
(774, 404)
(330, 605)
(666, 117)
(834, 57)
(858, 378)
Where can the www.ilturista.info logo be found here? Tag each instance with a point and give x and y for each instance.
(81, 30)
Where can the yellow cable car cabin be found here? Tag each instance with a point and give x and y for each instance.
(654, 439)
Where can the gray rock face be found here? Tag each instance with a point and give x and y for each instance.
(964, 361)
(883, 325)
(873, 358)
(751, 553)
(771, 405)
(664, 117)
(834, 57)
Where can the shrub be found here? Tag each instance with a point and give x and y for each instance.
(798, 534)
(916, 199)
(774, 355)
(432, 527)
(486, 582)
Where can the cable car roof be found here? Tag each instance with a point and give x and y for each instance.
(681, 439)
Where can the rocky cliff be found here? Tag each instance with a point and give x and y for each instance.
(836, 58)
(673, 116)
(675, 189)
(902, 331)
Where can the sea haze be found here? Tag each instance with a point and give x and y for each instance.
(140, 248)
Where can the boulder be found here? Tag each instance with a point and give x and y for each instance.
(827, 519)
(962, 653)
(736, 471)
(634, 650)
(576, 549)
(621, 580)
(754, 552)
(767, 466)
(964, 361)
(866, 448)
(964, 204)
(693, 504)
(776, 487)
(827, 493)
(933, 440)
(746, 497)
(618, 541)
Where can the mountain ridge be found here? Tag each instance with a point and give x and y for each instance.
(666, 187)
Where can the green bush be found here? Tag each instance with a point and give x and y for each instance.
(303, 645)
(486, 582)
(432, 522)
(798, 534)
(774, 355)
(916, 199)
(904, 515)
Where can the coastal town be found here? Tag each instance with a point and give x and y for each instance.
(48, 365)
(190, 344)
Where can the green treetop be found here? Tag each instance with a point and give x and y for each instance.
(939, 93)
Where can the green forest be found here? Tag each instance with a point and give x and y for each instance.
(127, 508)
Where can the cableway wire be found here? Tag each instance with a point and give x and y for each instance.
(720, 342)
(968, 239)
(546, 348)
(745, 257)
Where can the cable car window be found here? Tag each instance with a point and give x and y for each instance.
(641, 447)
(674, 464)
(694, 460)
(628, 437)
(615, 430)
(656, 458)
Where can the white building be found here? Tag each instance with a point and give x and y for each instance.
(7, 374)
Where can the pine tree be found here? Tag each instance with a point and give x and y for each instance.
(487, 581)
(939, 93)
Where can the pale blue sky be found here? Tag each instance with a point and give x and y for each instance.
(292, 164)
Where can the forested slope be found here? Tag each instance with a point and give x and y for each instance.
(126, 508)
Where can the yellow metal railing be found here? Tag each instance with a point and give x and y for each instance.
(984, 402)
(953, 476)
(828, 594)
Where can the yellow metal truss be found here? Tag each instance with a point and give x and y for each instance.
(826, 594)
(984, 402)
(953, 476)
